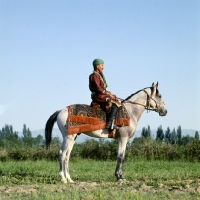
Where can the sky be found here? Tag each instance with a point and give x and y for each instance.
(47, 48)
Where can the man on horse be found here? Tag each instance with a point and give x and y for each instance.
(107, 101)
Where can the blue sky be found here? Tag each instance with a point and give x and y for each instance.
(47, 49)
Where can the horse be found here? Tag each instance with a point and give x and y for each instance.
(148, 98)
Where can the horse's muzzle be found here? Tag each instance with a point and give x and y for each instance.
(162, 112)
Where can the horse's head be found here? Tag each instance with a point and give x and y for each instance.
(156, 101)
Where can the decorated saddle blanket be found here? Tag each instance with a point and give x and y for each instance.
(84, 118)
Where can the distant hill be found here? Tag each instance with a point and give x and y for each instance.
(82, 137)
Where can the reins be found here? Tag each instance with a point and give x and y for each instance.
(147, 106)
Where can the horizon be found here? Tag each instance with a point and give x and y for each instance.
(154, 130)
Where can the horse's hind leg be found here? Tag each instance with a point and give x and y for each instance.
(70, 144)
(64, 154)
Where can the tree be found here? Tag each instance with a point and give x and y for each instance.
(187, 140)
(196, 135)
(8, 137)
(38, 141)
(143, 133)
(160, 134)
(168, 135)
(173, 137)
(179, 135)
(27, 137)
(146, 133)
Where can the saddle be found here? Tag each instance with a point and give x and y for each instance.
(84, 118)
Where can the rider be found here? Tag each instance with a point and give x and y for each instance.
(106, 100)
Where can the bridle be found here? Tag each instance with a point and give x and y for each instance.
(147, 106)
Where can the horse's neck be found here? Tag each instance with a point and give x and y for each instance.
(136, 110)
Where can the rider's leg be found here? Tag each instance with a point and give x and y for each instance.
(110, 116)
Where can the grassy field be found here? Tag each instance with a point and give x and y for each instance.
(95, 180)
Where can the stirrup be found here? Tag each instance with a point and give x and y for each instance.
(112, 126)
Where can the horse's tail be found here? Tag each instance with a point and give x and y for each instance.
(49, 127)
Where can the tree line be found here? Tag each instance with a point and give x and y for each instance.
(166, 145)
(11, 139)
(172, 137)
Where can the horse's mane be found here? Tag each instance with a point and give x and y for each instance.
(138, 92)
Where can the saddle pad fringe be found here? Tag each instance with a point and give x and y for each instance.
(84, 119)
(86, 128)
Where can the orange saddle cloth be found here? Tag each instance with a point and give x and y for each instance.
(84, 118)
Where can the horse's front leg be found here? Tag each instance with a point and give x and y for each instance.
(120, 158)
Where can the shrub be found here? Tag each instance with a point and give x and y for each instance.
(3, 155)
(105, 150)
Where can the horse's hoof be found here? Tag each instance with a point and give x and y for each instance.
(123, 178)
(63, 180)
(120, 180)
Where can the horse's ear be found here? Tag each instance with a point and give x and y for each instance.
(157, 84)
(152, 84)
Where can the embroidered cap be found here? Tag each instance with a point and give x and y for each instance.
(97, 62)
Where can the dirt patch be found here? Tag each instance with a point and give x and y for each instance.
(169, 188)
(19, 189)
(135, 185)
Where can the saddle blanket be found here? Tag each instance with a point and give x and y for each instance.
(84, 118)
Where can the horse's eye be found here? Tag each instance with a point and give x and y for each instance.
(159, 95)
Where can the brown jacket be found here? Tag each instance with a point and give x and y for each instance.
(99, 94)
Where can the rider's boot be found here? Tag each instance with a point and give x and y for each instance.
(110, 118)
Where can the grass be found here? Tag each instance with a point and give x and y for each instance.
(95, 180)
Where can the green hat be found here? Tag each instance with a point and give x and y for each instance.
(97, 62)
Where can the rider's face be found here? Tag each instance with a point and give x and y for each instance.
(100, 67)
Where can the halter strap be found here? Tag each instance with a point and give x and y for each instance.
(148, 106)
